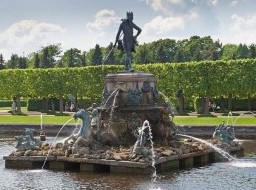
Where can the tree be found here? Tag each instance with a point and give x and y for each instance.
(13, 62)
(109, 55)
(22, 63)
(163, 50)
(229, 52)
(36, 60)
(46, 59)
(209, 50)
(1, 61)
(97, 56)
(142, 55)
(50, 55)
(72, 58)
(242, 52)
(83, 59)
(252, 51)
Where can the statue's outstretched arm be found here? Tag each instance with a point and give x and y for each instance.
(138, 29)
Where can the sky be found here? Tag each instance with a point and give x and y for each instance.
(28, 25)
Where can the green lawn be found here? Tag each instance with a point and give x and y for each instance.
(48, 119)
(215, 120)
(17, 119)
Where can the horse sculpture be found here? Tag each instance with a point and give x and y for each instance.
(224, 133)
(84, 133)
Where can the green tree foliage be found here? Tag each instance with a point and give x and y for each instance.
(97, 56)
(252, 51)
(109, 55)
(164, 50)
(83, 58)
(1, 62)
(22, 63)
(46, 58)
(49, 55)
(229, 52)
(242, 52)
(36, 60)
(72, 58)
(142, 55)
(13, 62)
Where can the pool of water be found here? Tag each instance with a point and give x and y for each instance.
(238, 174)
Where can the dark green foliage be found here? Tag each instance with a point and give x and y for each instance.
(72, 58)
(36, 60)
(49, 54)
(34, 104)
(237, 104)
(13, 62)
(8, 103)
(37, 104)
(97, 56)
(1, 62)
(109, 55)
(83, 59)
(22, 63)
(252, 51)
(46, 59)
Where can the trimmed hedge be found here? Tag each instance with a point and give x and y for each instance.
(38, 104)
(237, 104)
(198, 79)
(8, 103)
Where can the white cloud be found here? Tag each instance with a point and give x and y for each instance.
(242, 30)
(161, 25)
(234, 3)
(243, 23)
(165, 5)
(27, 36)
(103, 18)
(27, 31)
(214, 2)
(180, 6)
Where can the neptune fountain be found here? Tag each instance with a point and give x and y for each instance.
(131, 131)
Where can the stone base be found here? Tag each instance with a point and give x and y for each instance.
(174, 162)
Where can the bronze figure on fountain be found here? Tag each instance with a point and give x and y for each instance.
(129, 41)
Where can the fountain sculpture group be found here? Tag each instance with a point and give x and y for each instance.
(132, 125)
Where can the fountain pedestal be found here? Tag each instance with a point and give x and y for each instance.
(129, 98)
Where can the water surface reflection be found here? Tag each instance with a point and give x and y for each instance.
(238, 174)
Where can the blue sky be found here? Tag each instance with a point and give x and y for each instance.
(28, 25)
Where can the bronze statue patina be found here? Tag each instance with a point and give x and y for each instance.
(129, 41)
(27, 141)
(224, 133)
(83, 136)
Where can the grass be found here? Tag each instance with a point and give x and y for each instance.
(17, 119)
(215, 120)
(184, 120)
(179, 120)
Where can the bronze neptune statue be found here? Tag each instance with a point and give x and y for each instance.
(129, 41)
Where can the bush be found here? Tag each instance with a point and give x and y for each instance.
(35, 104)
(8, 103)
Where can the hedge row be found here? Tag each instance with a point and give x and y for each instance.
(213, 79)
(8, 103)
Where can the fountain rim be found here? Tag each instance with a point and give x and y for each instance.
(134, 108)
(130, 77)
